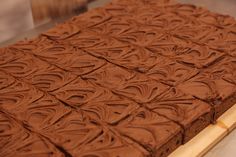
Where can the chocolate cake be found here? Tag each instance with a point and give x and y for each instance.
(135, 78)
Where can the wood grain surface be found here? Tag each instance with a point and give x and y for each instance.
(209, 137)
(47, 9)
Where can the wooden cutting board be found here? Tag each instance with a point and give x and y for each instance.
(42, 10)
(209, 137)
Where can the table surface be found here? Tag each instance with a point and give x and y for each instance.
(226, 148)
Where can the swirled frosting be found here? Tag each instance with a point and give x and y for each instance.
(135, 78)
(215, 83)
(179, 107)
(18, 140)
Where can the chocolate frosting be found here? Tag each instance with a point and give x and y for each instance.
(63, 31)
(143, 127)
(172, 73)
(80, 92)
(70, 59)
(37, 72)
(179, 107)
(131, 79)
(110, 76)
(215, 83)
(17, 140)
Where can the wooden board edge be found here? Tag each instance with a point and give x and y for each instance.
(209, 137)
(228, 119)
